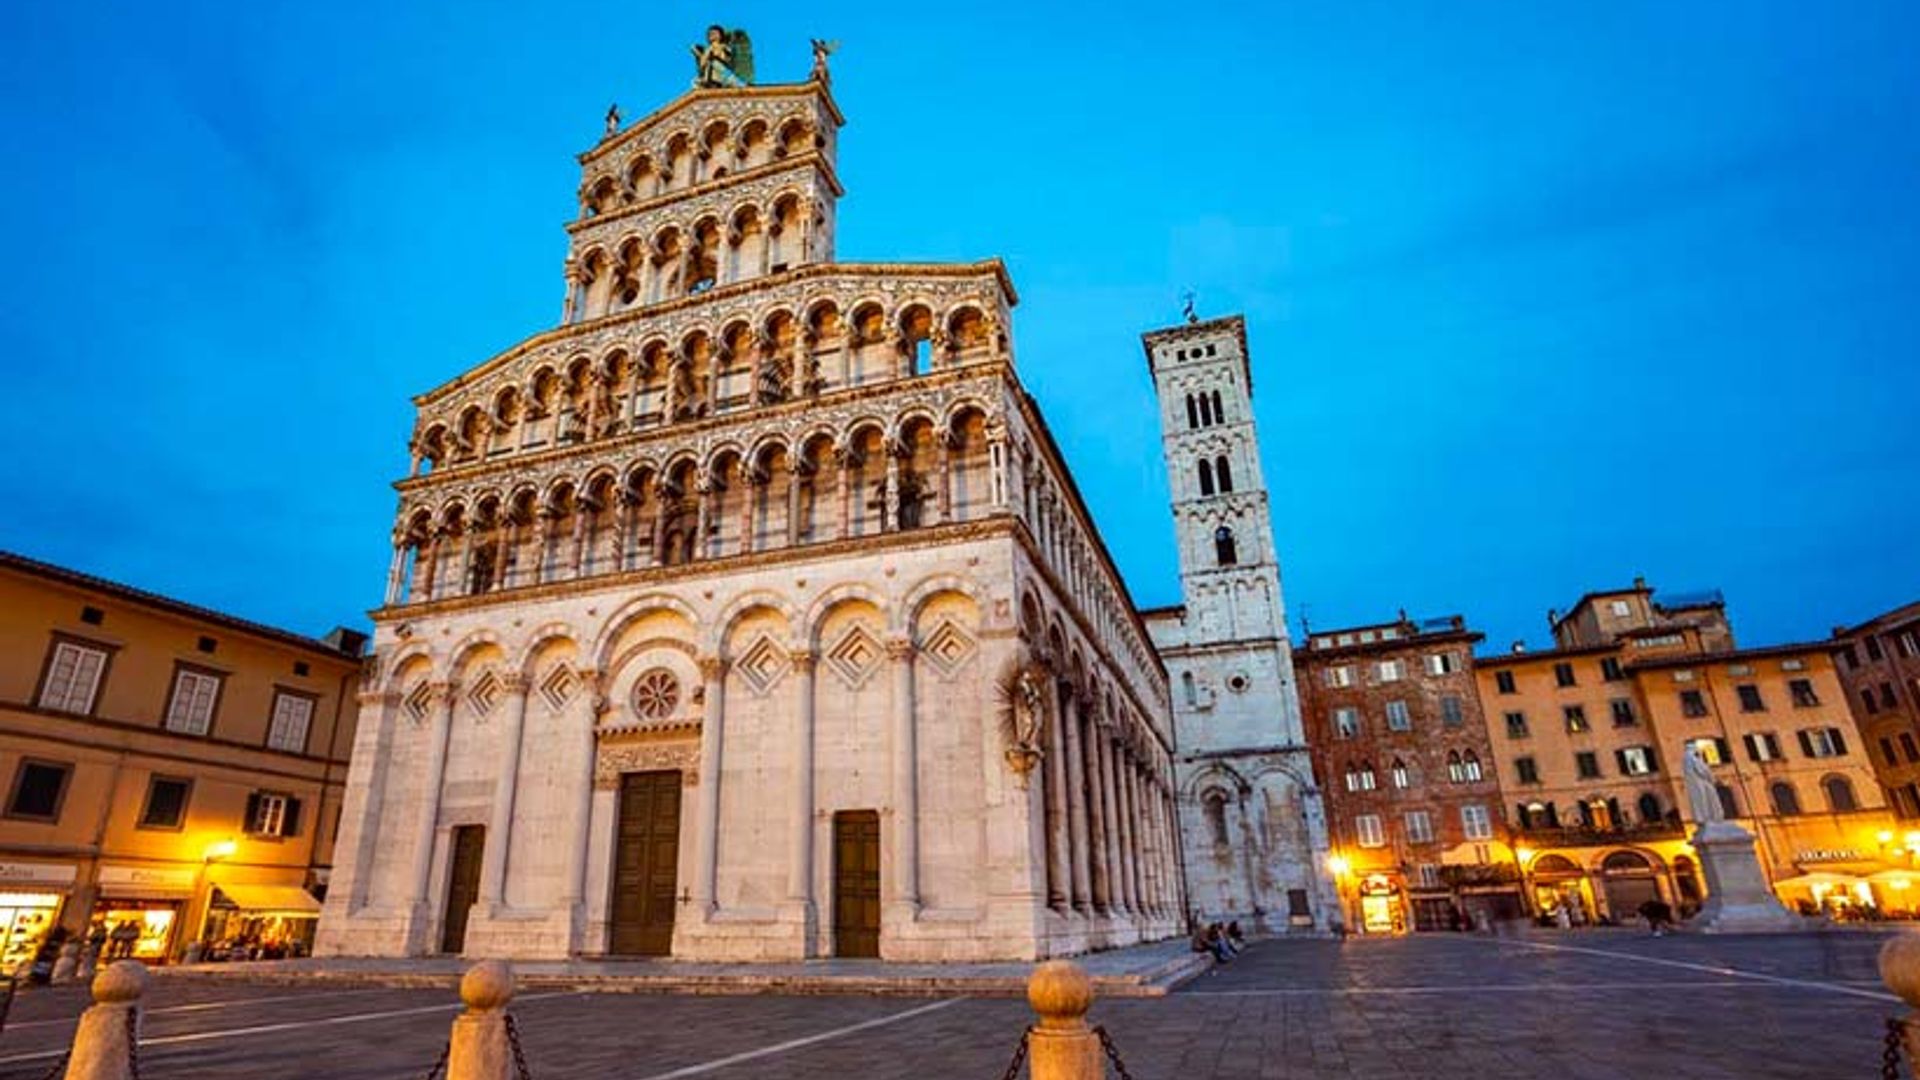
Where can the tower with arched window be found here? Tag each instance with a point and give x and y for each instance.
(1251, 812)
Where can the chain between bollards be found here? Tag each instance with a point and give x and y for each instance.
(1019, 1056)
(1113, 1052)
(440, 1063)
(133, 1042)
(519, 1056)
(1890, 1050)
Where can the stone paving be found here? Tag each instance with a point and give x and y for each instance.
(1575, 1006)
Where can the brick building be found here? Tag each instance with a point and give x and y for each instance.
(1413, 809)
(1879, 667)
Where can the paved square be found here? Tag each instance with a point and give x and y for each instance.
(1579, 1006)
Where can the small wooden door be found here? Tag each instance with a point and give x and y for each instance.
(646, 864)
(856, 883)
(469, 843)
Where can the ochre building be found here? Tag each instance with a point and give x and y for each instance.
(174, 775)
(751, 613)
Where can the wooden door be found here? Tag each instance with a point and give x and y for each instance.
(646, 864)
(856, 883)
(469, 843)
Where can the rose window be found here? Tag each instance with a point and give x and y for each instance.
(656, 694)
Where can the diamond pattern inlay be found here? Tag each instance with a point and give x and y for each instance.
(948, 648)
(484, 695)
(419, 703)
(856, 656)
(762, 665)
(559, 686)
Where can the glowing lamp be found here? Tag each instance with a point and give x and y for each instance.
(1337, 863)
(1523, 855)
(221, 849)
(1886, 837)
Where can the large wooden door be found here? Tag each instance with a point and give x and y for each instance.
(469, 843)
(646, 862)
(856, 883)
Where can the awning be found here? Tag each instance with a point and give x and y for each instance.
(1818, 877)
(286, 901)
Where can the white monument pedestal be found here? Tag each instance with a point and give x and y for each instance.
(1738, 899)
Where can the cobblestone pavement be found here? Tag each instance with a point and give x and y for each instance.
(1578, 1006)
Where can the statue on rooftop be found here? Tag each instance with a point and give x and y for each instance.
(821, 50)
(613, 119)
(726, 60)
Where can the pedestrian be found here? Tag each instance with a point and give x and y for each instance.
(1217, 944)
(1562, 917)
(1235, 940)
(124, 936)
(1658, 915)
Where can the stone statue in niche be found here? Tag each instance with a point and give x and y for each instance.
(725, 60)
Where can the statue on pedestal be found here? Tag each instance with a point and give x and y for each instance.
(1703, 794)
(726, 60)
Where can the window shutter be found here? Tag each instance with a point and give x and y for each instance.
(1839, 742)
(1553, 816)
(290, 821)
(253, 812)
(1726, 752)
(1753, 747)
(1620, 760)
(1806, 742)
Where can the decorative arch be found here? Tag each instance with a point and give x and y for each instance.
(849, 591)
(739, 608)
(631, 612)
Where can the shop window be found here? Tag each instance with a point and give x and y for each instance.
(166, 806)
(38, 789)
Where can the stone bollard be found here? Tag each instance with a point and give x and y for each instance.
(89, 960)
(1900, 970)
(67, 967)
(1062, 1046)
(479, 1048)
(104, 1045)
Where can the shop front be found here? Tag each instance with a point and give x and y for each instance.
(31, 897)
(140, 910)
(1383, 907)
(260, 922)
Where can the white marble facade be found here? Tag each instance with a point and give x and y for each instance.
(784, 530)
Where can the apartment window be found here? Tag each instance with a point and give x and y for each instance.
(195, 693)
(1621, 608)
(1576, 716)
(1517, 725)
(1563, 674)
(1750, 700)
(1360, 777)
(1793, 664)
(1368, 830)
(1762, 746)
(1786, 801)
(73, 677)
(1635, 760)
(1866, 698)
(272, 814)
(1802, 692)
(1873, 649)
(1839, 791)
(1401, 778)
(1623, 712)
(1451, 714)
(1849, 657)
(1470, 767)
(1346, 722)
(292, 715)
(1419, 827)
(1441, 664)
(1713, 749)
(1822, 742)
(1692, 703)
(1887, 752)
(1587, 764)
(1476, 823)
(1340, 676)
(1390, 671)
(1503, 681)
(1610, 669)
(1909, 746)
(1527, 769)
(1909, 643)
(166, 806)
(38, 788)
(1887, 700)
(1398, 718)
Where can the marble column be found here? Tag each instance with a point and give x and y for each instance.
(1109, 816)
(1059, 872)
(1129, 831)
(393, 571)
(890, 512)
(493, 862)
(800, 814)
(427, 807)
(1077, 802)
(586, 734)
(793, 506)
(906, 779)
(713, 671)
(576, 558)
(1096, 817)
(703, 517)
(943, 486)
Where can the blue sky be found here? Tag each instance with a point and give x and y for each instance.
(1541, 296)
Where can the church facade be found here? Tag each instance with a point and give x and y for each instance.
(751, 613)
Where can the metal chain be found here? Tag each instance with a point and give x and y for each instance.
(440, 1063)
(1890, 1052)
(133, 1042)
(1019, 1057)
(519, 1056)
(59, 1067)
(1113, 1054)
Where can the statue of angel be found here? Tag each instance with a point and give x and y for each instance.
(821, 50)
(725, 60)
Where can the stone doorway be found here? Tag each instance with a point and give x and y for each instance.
(469, 843)
(856, 883)
(646, 863)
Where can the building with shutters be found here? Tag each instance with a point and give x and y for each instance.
(1879, 665)
(1589, 737)
(169, 770)
(751, 612)
(1414, 820)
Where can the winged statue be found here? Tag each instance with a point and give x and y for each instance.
(725, 60)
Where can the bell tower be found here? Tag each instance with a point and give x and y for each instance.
(1254, 826)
